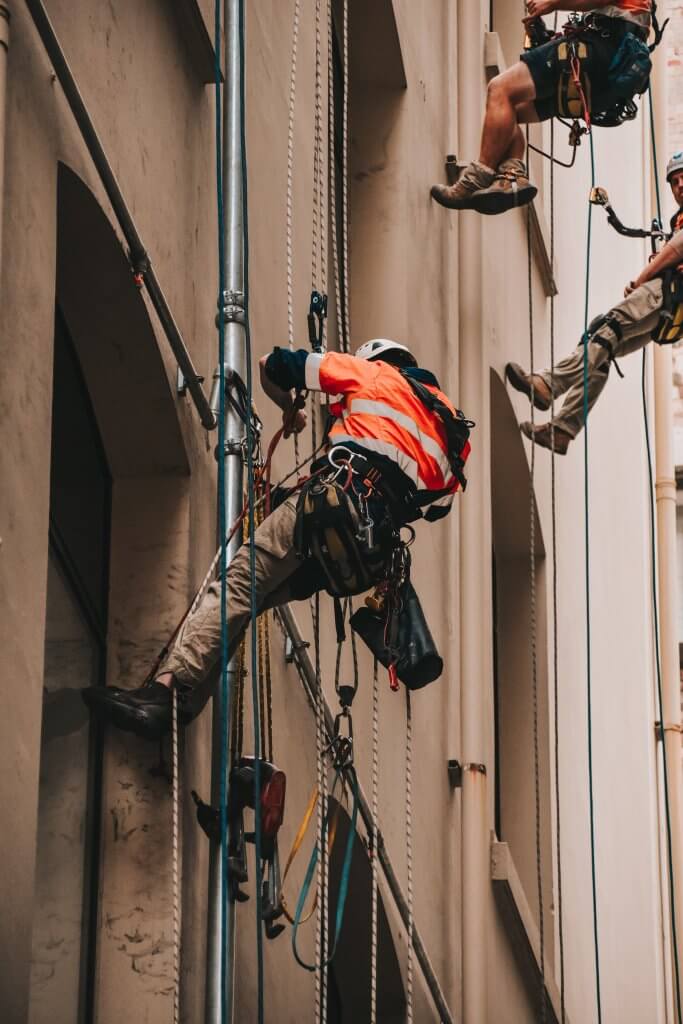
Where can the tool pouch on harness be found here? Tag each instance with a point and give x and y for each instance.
(416, 658)
(569, 99)
(670, 326)
(329, 529)
(629, 73)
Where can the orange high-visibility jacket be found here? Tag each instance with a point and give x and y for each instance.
(637, 7)
(376, 408)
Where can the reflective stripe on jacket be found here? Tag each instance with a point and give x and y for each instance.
(378, 410)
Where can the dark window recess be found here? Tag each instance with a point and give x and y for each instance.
(80, 486)
(64, 944)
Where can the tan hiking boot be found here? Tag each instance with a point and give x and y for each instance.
(557, 440)
(510, 188)
(528, 384)
(473, 179)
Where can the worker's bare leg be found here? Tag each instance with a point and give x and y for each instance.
(506, 93)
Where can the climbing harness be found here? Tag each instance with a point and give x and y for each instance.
(670, 327)
(335, 526)
(627, 76)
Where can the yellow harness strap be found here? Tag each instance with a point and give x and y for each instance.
(296, 846)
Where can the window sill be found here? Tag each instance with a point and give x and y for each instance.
(494, 64)
(521, 927)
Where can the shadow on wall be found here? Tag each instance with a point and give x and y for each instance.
(513, 628)
(114, 339)
(349, 973)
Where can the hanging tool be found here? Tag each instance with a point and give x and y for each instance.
(317, 314)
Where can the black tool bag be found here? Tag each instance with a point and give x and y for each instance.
(415, 655)
(329, 529)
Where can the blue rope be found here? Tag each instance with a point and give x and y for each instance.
(251, 500)
(655, 612)
(588, 595)
(222, 517)
(343, 884)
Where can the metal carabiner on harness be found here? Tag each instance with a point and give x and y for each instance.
(341, 746)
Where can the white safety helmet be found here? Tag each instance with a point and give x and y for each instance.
(378, 347)
(674, 164)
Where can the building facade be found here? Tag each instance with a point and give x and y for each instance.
(108, 524)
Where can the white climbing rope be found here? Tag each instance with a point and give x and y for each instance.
(319, 282)
(346, 322)
(340, 266)
(409, 856)
(175, 869)
(375, 852)
(290, 191)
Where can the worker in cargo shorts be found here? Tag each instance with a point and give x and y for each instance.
(626, 328)
(526, 93)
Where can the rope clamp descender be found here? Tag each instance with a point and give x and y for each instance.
(342, 740)
(317, 314)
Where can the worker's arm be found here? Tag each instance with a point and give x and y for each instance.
(538, 8)
(669, 256)
(293, 420)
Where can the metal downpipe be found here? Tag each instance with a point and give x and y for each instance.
(232, 302)
(665, 495)
(475, 554)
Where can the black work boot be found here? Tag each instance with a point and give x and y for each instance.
(146, 711)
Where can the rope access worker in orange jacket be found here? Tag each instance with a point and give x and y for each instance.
(626, 328)
(527, 92)
(396, 453)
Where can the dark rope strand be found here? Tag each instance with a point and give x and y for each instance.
(587, 588)
(251, 504)
(534, 658)
(222, 516)
(553, 503)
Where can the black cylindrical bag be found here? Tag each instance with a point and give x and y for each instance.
(418, 662)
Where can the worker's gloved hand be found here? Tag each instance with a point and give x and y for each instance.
(538, 8)
(294, 421)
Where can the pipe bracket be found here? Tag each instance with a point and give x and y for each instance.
(232, 308)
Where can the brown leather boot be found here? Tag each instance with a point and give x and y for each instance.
(528, 384)
(510, 188)
(461, 196)
(557, 440)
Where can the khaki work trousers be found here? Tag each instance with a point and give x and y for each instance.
(197, 647)
(638, 316)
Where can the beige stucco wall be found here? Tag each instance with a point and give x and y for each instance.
(156, 122)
